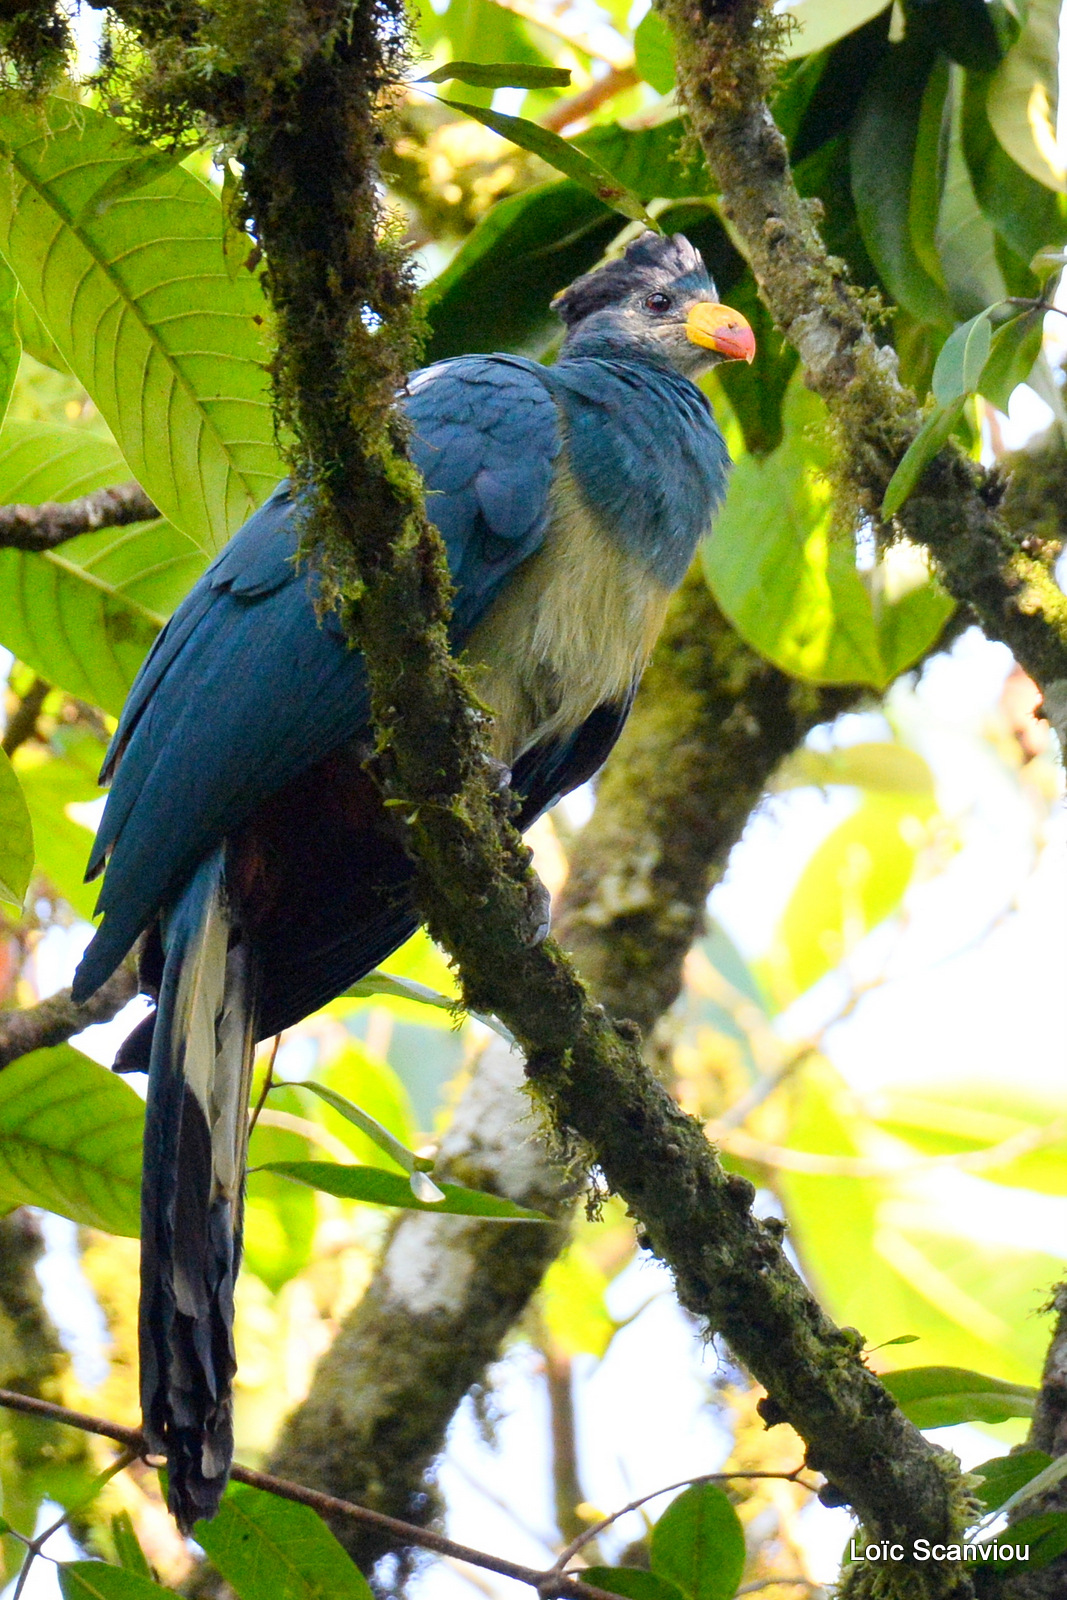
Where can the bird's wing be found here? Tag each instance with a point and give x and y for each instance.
(245, 688)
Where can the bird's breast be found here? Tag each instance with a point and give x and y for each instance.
(572, 630)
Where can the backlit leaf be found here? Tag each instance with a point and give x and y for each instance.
(95, 1580)
(820, 22)
(70, 1140)
(654, 52)
(268, 1548)
(499, 75)
(879, 766)
(16, 836)
(54, 780)
(138, 299)
(938, 1397)
(1024, 212)
(127, 1545)
(1021, 100)
(376, 1186)
(930, 439)
(699, 1544)
(10, 343)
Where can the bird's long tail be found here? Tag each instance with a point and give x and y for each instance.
(191, 1203)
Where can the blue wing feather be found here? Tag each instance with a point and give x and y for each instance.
(245, 688)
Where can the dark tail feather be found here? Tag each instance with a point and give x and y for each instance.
(191, 1203)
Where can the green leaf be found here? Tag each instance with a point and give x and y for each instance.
(854, 880)
(70, 1140)
(10, 343)
(127, 1545)
(16, 836)
(1016, 346)
(1024, 212)
(883, 143)
(85, 614)
(821, 22)
(1039, 1484)
(405, 1158)
(1021, 100)
(380, 982)
(35, 337)
(632, 1582)
(654, 163)
(1046, 1535)
(495, 293)
(378, 1187)
(54, 781)
(500, 75)
(654, 52)
(967, 242)
(938, 1397)
(788, 582)
(171, 350)
(958, 369)
(95, 1580)
(566, 158)
(930, 439)
(1004, 1475)
(699, 1544)
(272, 1549)
(878, 766)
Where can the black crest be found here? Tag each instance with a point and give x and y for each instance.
(650, 262)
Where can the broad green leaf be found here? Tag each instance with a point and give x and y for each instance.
(856, 878)
(572, 1307)
(95, 1580)
(1021, 101)
(380, 982)
(378, 1187)
(10, 343)
(966, 240)
(280, 1217)
(566, 158)
(84, 614)
(958, 369)
(272, 1549)
(788, 582)
(930, 439)
(938, 1397)
(883, 142)
(1003, 1476)
(499, 75)
(632, 1582)
(654, 52)
(698, 1544)
(16, 836)
(879, 766)
(927, 173)
(70, 1140)
(654, 163)
(138, 300)
(1016, 346)
(756, 394)
(55, 782)
(495, 293)
(941, 1125)
(1039, 1484)
(1024, 212)
(1045, 1535)
(479, 31)
(820, 22)
(127, 1545)
(35, 337)
(373, 1085)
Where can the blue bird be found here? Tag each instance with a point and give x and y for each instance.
(244, 839)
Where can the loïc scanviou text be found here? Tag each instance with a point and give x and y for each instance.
(923, 1550)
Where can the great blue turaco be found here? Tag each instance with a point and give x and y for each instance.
(245, 842)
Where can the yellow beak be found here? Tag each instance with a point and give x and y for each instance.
(722, 329)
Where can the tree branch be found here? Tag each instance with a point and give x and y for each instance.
(54, 1020)
(22, 724)
(45, 526)
(725, 62)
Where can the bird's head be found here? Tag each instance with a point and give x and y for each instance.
(659, 297)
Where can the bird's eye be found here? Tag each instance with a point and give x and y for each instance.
(658, 302)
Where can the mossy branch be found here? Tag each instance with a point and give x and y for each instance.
(726, 56)
(300, 108)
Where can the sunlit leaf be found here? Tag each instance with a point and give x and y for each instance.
(53, 780)
(939, 1397)
(10, 343)
(1021, 100)
(70, 1140)
(376, 1186)
(16, 836)
(95, 1580)
(820, 22)
(654, 52)
(788, 581)
(499, 75)
(572, 1305)
(699, 1544)
(268, 1548)
(565, 157)
(1003, 1476)
(879, 766)
(1024, 212)
(930, 439)
(138, 299)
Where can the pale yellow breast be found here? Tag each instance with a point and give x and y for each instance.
(572, 631)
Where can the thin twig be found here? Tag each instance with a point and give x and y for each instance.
(45, 526)
(35, 1546)
(268, 1085)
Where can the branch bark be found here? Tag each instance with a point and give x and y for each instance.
(45, 526)
(54, 1020)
